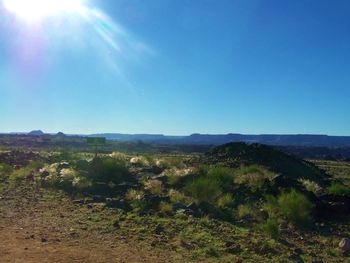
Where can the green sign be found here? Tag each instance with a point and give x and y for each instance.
(96, 141)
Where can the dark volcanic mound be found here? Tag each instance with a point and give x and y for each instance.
(238, 154)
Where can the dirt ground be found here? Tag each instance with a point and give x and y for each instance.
(35, 229)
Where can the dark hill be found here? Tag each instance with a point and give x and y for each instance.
(289, 167)
(36, 133)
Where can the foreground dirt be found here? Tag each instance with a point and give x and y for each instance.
(33, 230)
(41, 225)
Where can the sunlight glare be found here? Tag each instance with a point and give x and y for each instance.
(36, 10)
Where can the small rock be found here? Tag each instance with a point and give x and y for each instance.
(298, 251)
(344, 245)
(233, 248)
(116, 224)
(159, 229)
(43, 239)
(78, 201)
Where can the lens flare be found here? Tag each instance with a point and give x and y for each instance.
(36, 10)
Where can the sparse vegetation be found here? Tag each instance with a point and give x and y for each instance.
(338, 189)
(206, 212)
(253, 176)
(271, 227)
(292, 206)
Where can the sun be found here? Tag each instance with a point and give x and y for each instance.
(36, 10)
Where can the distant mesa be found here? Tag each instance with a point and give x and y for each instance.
(36, 133)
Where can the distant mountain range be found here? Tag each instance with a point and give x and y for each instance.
(307, 140)
(208, 139)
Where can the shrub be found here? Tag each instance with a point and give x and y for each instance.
(165, 207)
(293, 206)
(145, 160)
(154, 186)
(178, 197)
(24, 172)
(245, 211)
(108, 169)
(225, 201)
(204, 189)
(271, 227)
(170, 162)
(118, 156)
(221, 174)
(66, 156)
(310, 186)
(135, 198)
(134, 195)
(338, 189)
(5, 170)
(253, 176)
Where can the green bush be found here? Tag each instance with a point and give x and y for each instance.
(253, 176)
(23, 173)
(247, 211)
(204, 189)
(165, 207)
(338, 189)
(292, 206)
(311, 186)
(154, 186)
(178, 197)
(5, 170)
(225, 201)
(108, 170)
(221, 174)
(271, 227)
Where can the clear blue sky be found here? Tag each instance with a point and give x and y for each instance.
(179, 67)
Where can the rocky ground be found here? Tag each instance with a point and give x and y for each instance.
(43, 226)
(40, 225)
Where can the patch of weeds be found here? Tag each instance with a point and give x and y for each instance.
(154, 186)
(292, 206)
(204, 189)
(178, 197)
(211, 251)
(245, 211)
(5, 170)
(165, 207)
(135, 198)
(225, 201)
(338, 189)
(271, 227)
(310, 186)
(253, 176)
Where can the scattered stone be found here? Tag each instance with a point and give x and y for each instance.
(344, 245)
(159, 229)
(79, 201)
(43, 239)
(116, 224)
(98, 198)
(178, 206)
(233, 248)
(298, 251)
